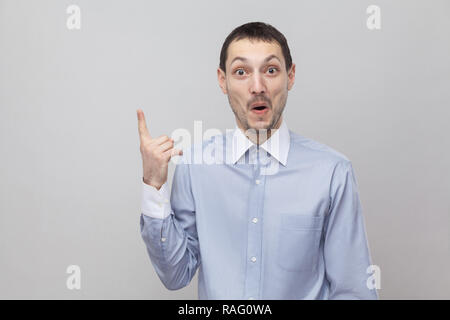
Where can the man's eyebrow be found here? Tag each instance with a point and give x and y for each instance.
(272, 56)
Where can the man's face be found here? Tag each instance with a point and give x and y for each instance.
(256, 74)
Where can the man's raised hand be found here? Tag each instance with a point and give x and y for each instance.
(156, 154)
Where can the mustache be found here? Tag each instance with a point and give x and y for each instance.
(260, 99)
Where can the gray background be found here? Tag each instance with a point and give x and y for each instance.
(70, 187)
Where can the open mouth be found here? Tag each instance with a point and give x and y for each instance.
(260, 109)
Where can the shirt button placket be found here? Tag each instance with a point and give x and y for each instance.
(254, 249)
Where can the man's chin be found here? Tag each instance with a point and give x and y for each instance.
(259, 125)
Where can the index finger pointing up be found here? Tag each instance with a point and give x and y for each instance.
(142, 127)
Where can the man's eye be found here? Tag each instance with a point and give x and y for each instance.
(272, 69)
(241, 70)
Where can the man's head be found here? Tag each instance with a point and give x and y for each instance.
(256, 70)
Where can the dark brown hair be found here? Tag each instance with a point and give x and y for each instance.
(256, 31)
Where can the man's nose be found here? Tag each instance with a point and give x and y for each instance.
(257, 84)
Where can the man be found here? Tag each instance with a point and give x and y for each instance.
(279, 219)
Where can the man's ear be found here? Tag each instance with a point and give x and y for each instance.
(221, 77)
(291, 76)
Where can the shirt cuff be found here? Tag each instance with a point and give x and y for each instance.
(155, 203)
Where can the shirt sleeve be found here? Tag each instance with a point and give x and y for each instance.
(346, 250)
(172, 242)
(155, 203)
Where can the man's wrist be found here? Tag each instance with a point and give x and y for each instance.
(151, 184)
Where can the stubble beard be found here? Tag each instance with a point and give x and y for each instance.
(266, 129)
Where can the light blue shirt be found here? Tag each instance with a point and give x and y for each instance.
(282, 221)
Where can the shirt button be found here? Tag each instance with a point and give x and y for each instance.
(253, 259)
(163, 239)
(257, 181)
(166, 201)
(160, 204)
(255, 220)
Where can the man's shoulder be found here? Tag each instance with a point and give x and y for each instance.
(317, 151)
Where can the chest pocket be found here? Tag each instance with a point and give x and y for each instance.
(299, 241)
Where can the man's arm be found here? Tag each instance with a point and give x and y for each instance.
(172, 240)
(168, 228)
(346, 250)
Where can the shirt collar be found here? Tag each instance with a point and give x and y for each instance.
(277, 145)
